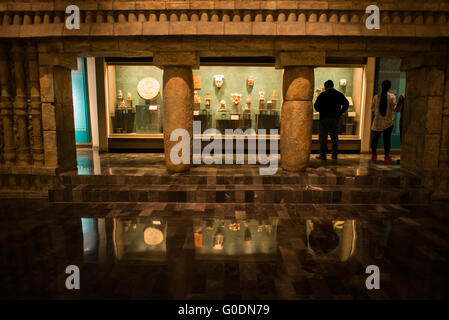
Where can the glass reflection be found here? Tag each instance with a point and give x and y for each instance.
(331, 238)
(235, 239)
(140, 239)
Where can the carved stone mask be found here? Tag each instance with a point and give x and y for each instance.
(236, 98)
(219, 78)
(251, 80)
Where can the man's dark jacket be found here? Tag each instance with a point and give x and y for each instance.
(331, 104)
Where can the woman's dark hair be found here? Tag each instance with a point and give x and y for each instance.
(386, 85)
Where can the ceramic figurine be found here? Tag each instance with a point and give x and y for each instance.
(222, 105)
(196, 97)
(120, 95)
(236, 98)
(219, 78)
(250, 80)
(218, 240)
(197, 82)
(234, 226)
(261, 99)
(248, 237)
(248, 105)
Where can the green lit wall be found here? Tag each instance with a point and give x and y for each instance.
(267, 79)
(127, 78)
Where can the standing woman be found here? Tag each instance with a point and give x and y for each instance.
(383, 106)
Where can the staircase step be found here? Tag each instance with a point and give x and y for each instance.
(304, 179)
(260, 193)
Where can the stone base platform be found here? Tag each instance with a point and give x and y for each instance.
(353, 179)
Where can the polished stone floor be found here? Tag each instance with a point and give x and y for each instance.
(223, 251)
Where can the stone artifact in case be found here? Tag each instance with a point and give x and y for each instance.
(223, 105)
(250, 81)
(218, 78)
(236, 98)
(197, 82)
(148, 88)
(261, 100)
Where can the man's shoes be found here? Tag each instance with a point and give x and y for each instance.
(374, 157)
(388, 160)
(320, 157)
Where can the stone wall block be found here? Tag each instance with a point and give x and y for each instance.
(210, 28)
(237, 28)
(434, 114)
(128, 29)
(431, 152)
(290, 28)
(182, 28)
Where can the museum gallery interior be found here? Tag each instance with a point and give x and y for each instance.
(90, 116)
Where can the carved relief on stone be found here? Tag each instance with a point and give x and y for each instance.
(148, 88)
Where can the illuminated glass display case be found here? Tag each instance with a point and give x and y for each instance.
(225, 97)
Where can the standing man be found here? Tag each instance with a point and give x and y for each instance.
(331, 104)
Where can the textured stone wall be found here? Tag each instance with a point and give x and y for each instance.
(425, 134)
(400, 18)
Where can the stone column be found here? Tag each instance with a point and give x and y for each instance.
(297, 108)
(7, 114)
(425, 142)
(35, 104)
(423, 111)
(20, 106)
(178, 100)
(444, 144)
(58, 123)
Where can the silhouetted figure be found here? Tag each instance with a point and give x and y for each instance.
(331, 104)
(383, 105)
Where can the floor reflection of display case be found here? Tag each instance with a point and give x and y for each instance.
(268, 120)
(124, 120)
(140, 239)
(148, 119)
(243, 240)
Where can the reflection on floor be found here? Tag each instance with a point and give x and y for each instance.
(353, 179)
(223, 251)
(140, 164)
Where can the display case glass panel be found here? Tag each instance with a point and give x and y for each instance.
(348, 81)
(237, 97)
(135, 99)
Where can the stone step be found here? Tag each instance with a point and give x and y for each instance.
(315, 194)
(303, 179)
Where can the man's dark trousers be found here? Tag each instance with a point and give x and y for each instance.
(329, 126)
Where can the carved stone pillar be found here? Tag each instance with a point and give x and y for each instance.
(423, 112)
(58, 124)
(178, 101)
(20, 106)
(35, 104)
(6, 106)
(297, 108)
(297, 118)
